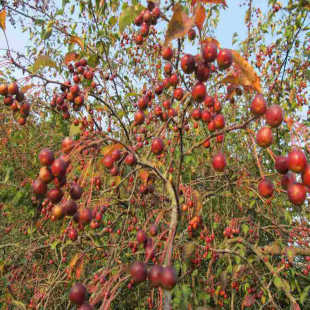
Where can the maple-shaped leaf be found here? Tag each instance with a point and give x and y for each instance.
(243, 74)
(200, 16)
(2, 19)
(210, 2)
(70, 57)
(179, 25)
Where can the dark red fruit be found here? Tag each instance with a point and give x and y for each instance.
(72, 234)
(168, 278)
(209, 51)
(297, 161)
(306, 176)
(281, 164)
(219, 162)
(258, 105)
(224, 58)
(58, 167)
(265, 188)
(84, 216)
(67, 145)
(39, 187)
(174, 80)
(141, 236)
(297, 193)
(274, 116)
(70, 207)
(55, 195)
(199, 92)
(209, 101)
(287, 179)
(188, 63)
(144, 30)
(108, 161)
(167, 53)
(264, 137)
(196, 114)
(202, 72)
(75, 191)
(157, 146)
(78, 293)
(116, 154)
(130, 159)
(206, 116)
(138, 272)
(46, 157)
(153, 230)
(155, 275)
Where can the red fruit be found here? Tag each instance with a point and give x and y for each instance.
(79, 100)
(108, 161)
(172, 112)
(196, 114)
(167, 53)
(25, 109)
(217, 106)
(219, 121)
(46, 157)
(158, 111)
(157, 146)
(3, 89)
(168, 278)
(58, 167)
(258, 105)
(224, 58)
(219, 162)
(206, 116)
(297, 193)
(178, 93)
(86, 306)
(174, 80)
(188, 63)
(297, 161)
(144, 30)
(209, 51)
(191, 34)
(153, 230)
(139, 20)
(281, 164)
(159, 89)
(141, 236)
(130, 159)
(70, 207)
(211, 126)
(84, 216)
(155, 275)
(78, 293)
(168, 69)
(306, 176)
(138, 272)
(75, 191)
(167, 104)
(114, 171)
(8, 100)
(45, 174)
(202, 72)
(143, 102)
(264, 137)
(147, 16)
(55, 195)
(199, 92)
(274, 116)
(83, 62)
(139, 117)
(39, 187)
(74, 90)
(265, 188)
(72, 234)
(156, 13)
(287, 179)
(67, 145)
(13, 89)
(116, 155)
(139, 39)
(209, 101)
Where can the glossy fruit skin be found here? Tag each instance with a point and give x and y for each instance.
(138, 272)
(209, 51)
(72, 234)
(46, 157)
(297, 161)
(219, 162)
(116, 155)
(75, 191)
(168, 277)
(202, 72)
(157, 146)
(130, 159)
(224, 58)
(265, 188)
(108, 161)
(297, 193)
(155, 275)
(206, 116)
(209, 101)
(67, 145)
(281, 164)
(84, 216)
(55, 195)
(144, 30)
(199, 92)
(58, 167)
(45, 174)
(274, 116)
(287, 179)
(39, 187)
(306, 176)
(196, 114)
(174, 80)
(264, 137)
(178, 93)
(78, 293)
(70, 207)
(259, 105)
(167, 53)
(188, 63)
(139, 117)
(219, 121)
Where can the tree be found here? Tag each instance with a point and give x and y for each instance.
(184, 177)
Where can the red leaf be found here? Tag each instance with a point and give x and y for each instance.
(200, 16)
(179, 25)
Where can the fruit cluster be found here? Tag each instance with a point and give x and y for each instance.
(14, 98)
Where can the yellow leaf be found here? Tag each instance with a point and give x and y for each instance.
(115, 181)
(70, 57)
(77, 40)
(2, 19)
(179, 25)
(27, 87)
(79, 268)
(43, 61)
(197, 198)
(144, 175)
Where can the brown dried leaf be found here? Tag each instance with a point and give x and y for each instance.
(200, 16)
(179, 25)
(77, 40)
(2, 19)
(70, 57)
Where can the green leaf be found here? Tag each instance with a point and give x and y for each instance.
(278, 282)
(43, 61)
(128, 15)
(304, 294)
(245, 228)
(74, 130)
